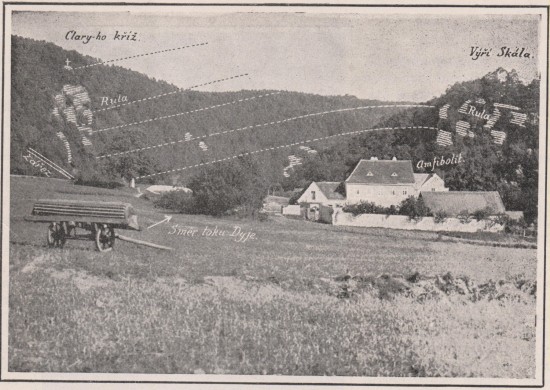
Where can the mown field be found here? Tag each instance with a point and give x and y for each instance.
(298, 298)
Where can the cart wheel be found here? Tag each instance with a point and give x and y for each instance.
(56, 235)
(104, 238)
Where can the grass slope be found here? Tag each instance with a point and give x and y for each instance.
(269, 305)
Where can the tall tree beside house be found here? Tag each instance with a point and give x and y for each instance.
(231, 187)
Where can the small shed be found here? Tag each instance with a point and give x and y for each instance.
(159, 189)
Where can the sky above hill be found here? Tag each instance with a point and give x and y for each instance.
(394, 57)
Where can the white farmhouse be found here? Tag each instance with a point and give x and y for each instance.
(322, 193)
(388, 182)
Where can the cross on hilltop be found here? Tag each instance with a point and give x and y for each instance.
(67, 66)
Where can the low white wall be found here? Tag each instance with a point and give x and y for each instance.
(291, 210)
(403, 222)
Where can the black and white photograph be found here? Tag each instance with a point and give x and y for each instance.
(274, 195)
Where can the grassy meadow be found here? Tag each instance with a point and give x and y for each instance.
(297, 298)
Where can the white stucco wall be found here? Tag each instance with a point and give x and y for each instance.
(292, 210)
(403, 222)
(382, 195)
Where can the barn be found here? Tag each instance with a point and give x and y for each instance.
(454, 203)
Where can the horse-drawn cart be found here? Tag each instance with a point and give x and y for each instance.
(100, 219)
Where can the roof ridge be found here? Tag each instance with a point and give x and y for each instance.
(392, 161)
(460, 192)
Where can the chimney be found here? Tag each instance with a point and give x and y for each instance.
(394, 158)
(374, 158)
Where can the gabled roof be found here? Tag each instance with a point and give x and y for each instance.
(328, 188)
(453, 202)
(421, 178)
(382, 172)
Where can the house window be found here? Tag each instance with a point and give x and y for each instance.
(404, 192)
(433, 189)
(312, 195)
(393, 192)
(357, 192)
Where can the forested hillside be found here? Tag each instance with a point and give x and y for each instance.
(56, 108)
(40, 79)
(510, 168)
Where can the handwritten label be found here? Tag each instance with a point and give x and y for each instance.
(474, 112)
(107, 101)
(74, 35)
(477, 52)
(237, 233)
(38, 164)
(440, 161)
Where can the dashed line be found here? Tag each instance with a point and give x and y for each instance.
(183, 113)
(289, 146)
(257, 126)
(174, 92)
(141, 55)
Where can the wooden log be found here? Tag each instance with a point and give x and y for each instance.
(140, 242)
(118, 214)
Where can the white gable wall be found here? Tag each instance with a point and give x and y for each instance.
(435, 184)
(313, 194)
(320, 198)
(382, 195)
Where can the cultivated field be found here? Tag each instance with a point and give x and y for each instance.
(298, 298)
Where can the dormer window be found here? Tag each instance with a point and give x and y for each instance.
(370, 173)
(394, 174)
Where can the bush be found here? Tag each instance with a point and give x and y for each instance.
(262, 217)
(464, 216)
(502, 219)
(92, 178)
(178, 201)
(481, 214)
(98, 183)
(237, 187)
(440, 216)
(392, 210)
(414, 208)
(519, 227)
(294, 197)
(366, 208)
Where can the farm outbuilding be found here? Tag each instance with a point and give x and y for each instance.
(326, 193)
(160, 189)
(455, 202)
